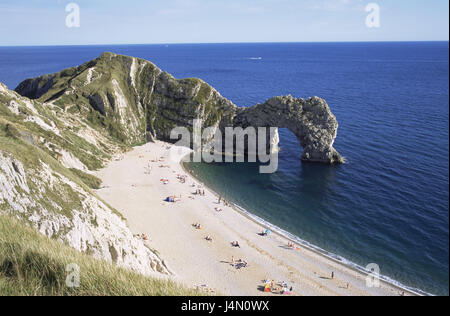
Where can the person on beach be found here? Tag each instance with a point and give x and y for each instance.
(332, 275)
(197, 226)
(220, 199)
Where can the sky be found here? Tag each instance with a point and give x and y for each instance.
(44, 22)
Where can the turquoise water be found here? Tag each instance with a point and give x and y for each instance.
(389, 204)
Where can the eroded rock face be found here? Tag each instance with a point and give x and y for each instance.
(144, 103)
(311, 121)
(40, 145)
(88, 225)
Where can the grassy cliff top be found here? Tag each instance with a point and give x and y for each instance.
(31, 264)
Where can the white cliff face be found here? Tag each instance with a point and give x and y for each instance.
(39, 121)
(37, 187)
(89, 225)
(12, 178)
(14, 107)
(133, 71)
(89, 76)
(127, 117)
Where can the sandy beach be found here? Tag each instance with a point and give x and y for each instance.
(132, 184)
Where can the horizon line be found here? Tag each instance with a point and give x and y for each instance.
(217, 43)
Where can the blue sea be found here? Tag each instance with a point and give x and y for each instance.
(388, 204)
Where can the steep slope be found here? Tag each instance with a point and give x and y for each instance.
(41, 146)
(31, 264)
(135, 101)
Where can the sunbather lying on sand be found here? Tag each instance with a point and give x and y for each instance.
(173, 199)
(241, 264)
(235, 244)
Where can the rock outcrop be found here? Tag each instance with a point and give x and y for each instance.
(311, 121)
(136, 101)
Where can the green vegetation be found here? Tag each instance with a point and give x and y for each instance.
(31, 264)
(91, 181)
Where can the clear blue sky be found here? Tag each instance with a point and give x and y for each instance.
(42, 22)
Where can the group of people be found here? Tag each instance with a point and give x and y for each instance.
(143, 236)
(182, 178)
(291, 245)
(235, 244)
(224, 201)
(282, 288)
(200, 192)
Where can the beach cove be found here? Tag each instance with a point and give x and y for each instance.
(137, 185)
